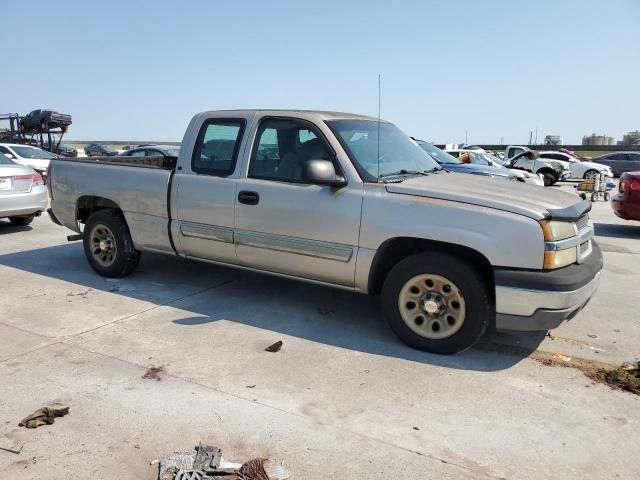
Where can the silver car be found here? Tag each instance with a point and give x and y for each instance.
(23, 195)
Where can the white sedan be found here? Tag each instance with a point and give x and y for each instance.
(29, 156)
(577, 168)
(22, 192)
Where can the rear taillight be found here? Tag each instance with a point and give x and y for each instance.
(631, 185)
(49, 180)
(35, 178)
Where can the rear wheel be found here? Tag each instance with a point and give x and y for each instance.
(108, 245)
(436, 303)
(25, 220)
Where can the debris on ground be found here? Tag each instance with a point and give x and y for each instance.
(153, 373)
(632, 368)
(43, 416)
(561, 358)
(13, 450)
(205, 462)
(618, 379)
(625, 377)
(275, 347)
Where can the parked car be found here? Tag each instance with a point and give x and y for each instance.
(44, 120)
(28, 155)
(22, 192)
(128, 147)
(626, 203)
(579, 169)
(453, 164)
(620, 162)
(574, 154)
(480, 157)
(524, 158)
(152, 151)
(347, 201)
(62, 149)
(99, 150)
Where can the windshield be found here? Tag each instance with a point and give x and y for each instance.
(30, 152)
(394, 153)
(439, 155)
(4, 160)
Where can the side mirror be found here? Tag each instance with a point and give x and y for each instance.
(322, 172)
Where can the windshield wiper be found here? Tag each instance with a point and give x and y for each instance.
(405, 172)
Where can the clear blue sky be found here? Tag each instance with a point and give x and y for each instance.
(138, 70)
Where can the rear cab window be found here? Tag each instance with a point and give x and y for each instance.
(217, 147)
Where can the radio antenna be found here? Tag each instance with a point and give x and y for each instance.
(379, 89)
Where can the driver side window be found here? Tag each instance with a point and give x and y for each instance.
(282, 148)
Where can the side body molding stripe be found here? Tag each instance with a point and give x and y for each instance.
(207, 232)
(299, 246)
(311, 248)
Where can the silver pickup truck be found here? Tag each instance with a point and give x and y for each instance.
(346, 201)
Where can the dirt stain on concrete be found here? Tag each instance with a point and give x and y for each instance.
(153, 373)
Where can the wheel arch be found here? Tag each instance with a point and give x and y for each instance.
(396, 249)
(87, 204)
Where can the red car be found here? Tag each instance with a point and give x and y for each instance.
(626, 203)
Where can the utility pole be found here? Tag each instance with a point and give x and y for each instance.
(536, 140)
(530, 136)
(466, 137)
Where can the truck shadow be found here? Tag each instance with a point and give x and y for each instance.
(614, 230)
(209, 293)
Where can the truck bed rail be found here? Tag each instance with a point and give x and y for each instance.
(164, 163)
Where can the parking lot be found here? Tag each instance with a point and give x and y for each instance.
(343, 398)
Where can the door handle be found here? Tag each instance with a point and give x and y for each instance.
(248, 198)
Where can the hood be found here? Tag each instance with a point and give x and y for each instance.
(515, 197)
(477, 169)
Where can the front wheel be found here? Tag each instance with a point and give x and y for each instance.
(436, 303)
(549, 179)
(591, 175)
(26, 220)
(108, 245)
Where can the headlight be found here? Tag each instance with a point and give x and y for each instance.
(560, 258)
(554, 230)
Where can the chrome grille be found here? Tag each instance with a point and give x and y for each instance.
(583, 222)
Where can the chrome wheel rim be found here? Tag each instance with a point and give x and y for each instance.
(591, 175)
(432, 306)
(103, 245)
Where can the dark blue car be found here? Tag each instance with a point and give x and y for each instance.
(452, 164)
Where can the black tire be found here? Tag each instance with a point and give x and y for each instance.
(475, 291)
(125, 258)
(43, 125)
(26, 220)
(549, 178)
(607, 196)
(594, 197)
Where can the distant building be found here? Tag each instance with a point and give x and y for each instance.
(631, 138)
(594, 139)
(552, 140)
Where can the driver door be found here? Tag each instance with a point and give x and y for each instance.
(288, 226)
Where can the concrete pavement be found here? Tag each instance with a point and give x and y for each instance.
(342, 399)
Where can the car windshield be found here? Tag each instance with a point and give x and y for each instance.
(4, 160)
(30, 152)
(394, 153)
(439, 155)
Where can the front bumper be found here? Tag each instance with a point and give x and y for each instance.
(542, 300)
(626, 208)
